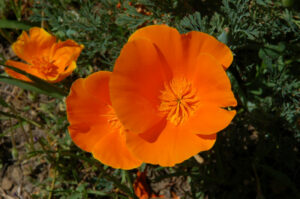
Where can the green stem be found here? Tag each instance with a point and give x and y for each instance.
(31, 141)
(118, 184)
(129, 180)
(13, 142)
(52, 185)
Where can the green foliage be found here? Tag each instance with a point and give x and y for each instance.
(13, 24)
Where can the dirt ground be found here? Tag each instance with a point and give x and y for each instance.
(17, 173)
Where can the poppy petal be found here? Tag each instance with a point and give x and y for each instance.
(67, 72)
(135, 85)
(22, 66)
(64, 53)
(209, 120)
(89, 114)
(168, 41)
(117, 156)
(198, 42)
(174, 145)
(29, 47)
(212, 83)
(86, 136)
(85, 104)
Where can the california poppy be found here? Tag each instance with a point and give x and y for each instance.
(94, 126)
(171, 91)
(45, 58)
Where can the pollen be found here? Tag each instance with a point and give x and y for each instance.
(46, 67)
(178, 100)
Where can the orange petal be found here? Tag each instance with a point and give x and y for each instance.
(198, 42)
(25, 67)
(64, 53)
(174, 145)
(167, 40)
(211, 81)
(86, 136)
(89, 114)
(67, 72)
(135, 85)
(86, 108)
(118, 155)
(209, 120)
(153, 133)
(181, 50)
(34, 45)
(85, 103)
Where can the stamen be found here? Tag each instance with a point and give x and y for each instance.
(45, 67)
(113, 120)
(178, 100)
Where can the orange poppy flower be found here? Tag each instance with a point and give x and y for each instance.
(47, 59)
(171, 91)
(94, 126)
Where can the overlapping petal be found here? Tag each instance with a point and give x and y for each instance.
(113, 151)
(166, 39)
(182, 50)
(64, 53)
(93, 125)
(37, 43)
(21, 66)
(174, 145)
(195, 43)
(211, 81)
(138, 75)
(209, 119)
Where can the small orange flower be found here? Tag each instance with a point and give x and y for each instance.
(171, 91)
(94, 127)
(47, 59)
(118, 5)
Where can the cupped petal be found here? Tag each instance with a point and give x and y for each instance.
(118, 155)
(67, 72)
(22, 66)
(88, 101)
(209, 119)
(174, 145)
(196, 43)
(86, 136)
(64, 53)
(33, 46)
(136, 82)
(211, 82)
(93, 125)
(168, 41)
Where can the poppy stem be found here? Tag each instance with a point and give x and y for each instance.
(199, 159)
(118, 184)
(129, 180)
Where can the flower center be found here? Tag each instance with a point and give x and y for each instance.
(45, 67)
(113, 120)
(178, 100)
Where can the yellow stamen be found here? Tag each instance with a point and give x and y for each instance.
(45, 67)
(178, 100)
(113, 120)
